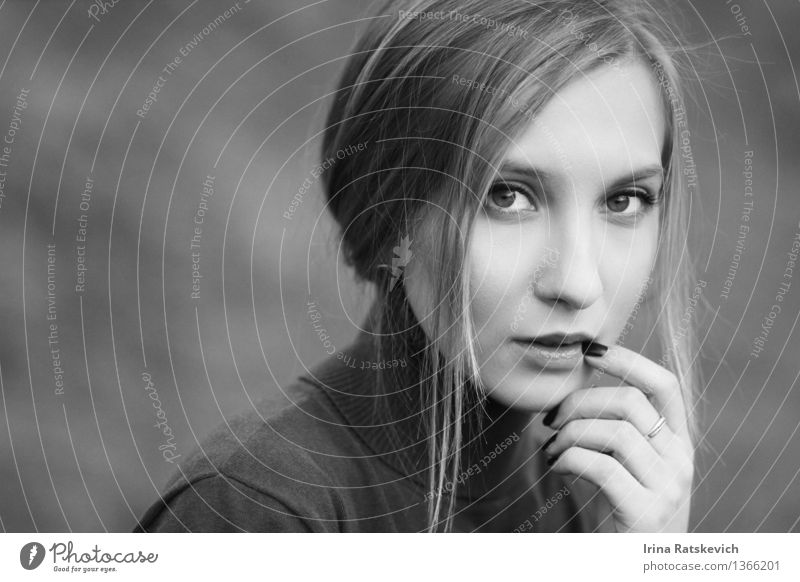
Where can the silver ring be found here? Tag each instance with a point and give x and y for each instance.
(657, 427)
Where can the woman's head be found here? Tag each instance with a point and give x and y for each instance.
(528, 152)
(567, 236)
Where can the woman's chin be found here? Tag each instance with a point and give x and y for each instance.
(537, 391)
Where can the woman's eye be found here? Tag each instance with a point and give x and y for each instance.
(628, 203)
(505, 197)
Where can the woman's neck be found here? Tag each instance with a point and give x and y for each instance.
(501, 454)
(498, 448)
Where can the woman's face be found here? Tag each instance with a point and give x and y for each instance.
(567, 238)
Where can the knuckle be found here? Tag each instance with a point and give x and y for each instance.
(661, 516)
(685, 474)
(576, 429)
(628, 432)
(607, 467)
(570, 431)
(567, 456)
(671, 381)
(632, 398)
(681, 460)
(672, 496)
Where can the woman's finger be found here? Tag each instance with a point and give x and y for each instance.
(614, 403)
(618, 438)
(623, 492)
(658, 383)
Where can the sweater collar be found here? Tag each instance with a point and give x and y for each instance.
(394, 431)
(390, 424)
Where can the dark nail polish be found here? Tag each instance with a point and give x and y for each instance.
(595, 349)
(549, 441)
(552, 460)
(550, 416)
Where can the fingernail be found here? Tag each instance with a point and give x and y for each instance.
(549, 441)
(550, 416)
(595, 349)
(552, 460)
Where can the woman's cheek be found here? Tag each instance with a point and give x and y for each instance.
(627, 275)
(495, 271)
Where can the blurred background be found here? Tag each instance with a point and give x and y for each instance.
(152, 285)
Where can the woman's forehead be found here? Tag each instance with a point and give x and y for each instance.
(611, 120)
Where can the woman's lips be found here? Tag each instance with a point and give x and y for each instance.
(559, 357)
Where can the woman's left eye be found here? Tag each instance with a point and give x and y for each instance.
(629, 203)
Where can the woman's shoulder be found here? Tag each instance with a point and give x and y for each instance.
(266, 469)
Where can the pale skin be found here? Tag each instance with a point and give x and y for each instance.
(647, 481)
(570, 231)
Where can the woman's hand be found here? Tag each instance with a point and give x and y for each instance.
(647, 481)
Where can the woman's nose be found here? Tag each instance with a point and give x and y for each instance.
(570, 272)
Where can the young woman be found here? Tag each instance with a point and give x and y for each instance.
(511, 186)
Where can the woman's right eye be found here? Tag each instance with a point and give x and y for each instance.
(508, 198)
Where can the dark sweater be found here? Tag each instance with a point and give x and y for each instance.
(326, 463)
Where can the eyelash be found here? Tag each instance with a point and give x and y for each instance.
(507, 186)
(649, 199)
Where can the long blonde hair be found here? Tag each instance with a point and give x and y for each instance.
(433, 143)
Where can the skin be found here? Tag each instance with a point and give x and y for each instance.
(569, 249)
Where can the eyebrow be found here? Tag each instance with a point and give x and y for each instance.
(541, 175)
